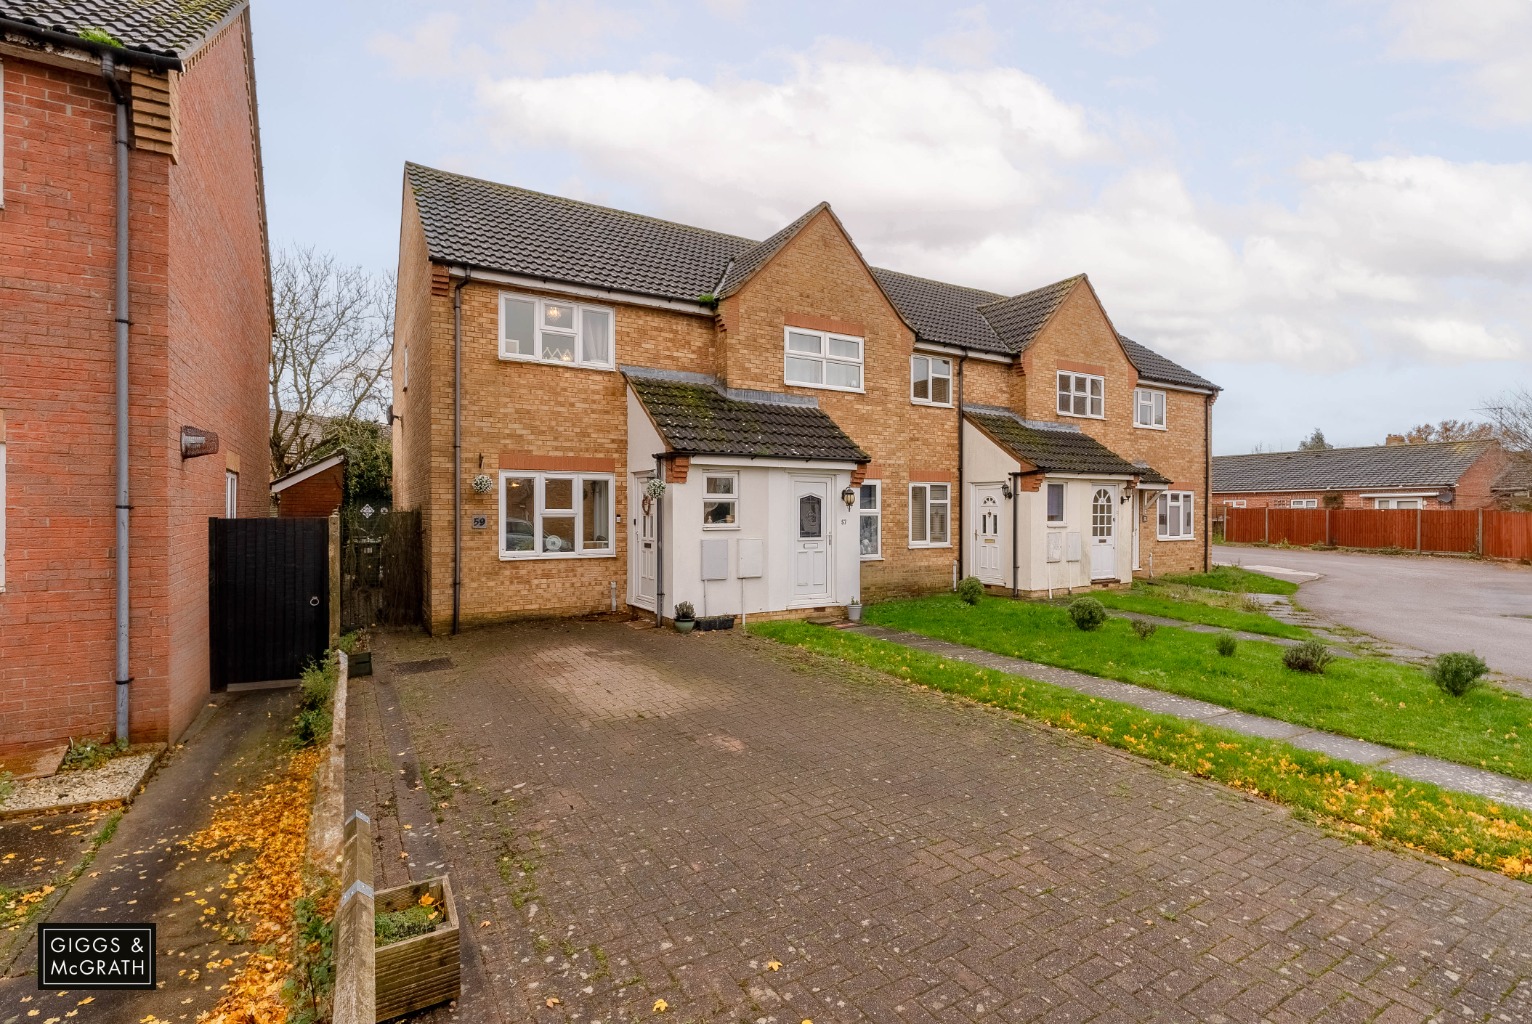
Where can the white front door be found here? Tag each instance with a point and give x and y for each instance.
(1103, 533)
(810, 531)
(645, 554)
(987, 504)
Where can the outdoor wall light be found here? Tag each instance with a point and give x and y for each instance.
(1006, 492)
(848, 496)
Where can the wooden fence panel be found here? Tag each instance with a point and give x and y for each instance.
(1299, 527)
(1245, 526)
(1449, 530)
(1508, 534)
(1373, 528)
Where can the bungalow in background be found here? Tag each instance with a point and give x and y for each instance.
(1438, 475)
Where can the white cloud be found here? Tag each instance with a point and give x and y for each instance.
(553, 36)
(972, 41)
(1491, 38)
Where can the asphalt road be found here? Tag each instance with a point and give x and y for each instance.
(1432, 604)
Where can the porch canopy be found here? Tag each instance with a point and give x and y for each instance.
(1056, 447)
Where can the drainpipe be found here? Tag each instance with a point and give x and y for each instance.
(457, 448)
(1207, 489)
(1015, 535)
(962, 495)
(121, 323)
(659, 547)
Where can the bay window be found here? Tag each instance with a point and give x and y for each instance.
(1082, 394)
(555, 515)
(930, 380)
(555, 331)
(819, 359)
(929, 508)
(1176, 515)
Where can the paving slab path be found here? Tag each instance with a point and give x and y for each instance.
(631, 815)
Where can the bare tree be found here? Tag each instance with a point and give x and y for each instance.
(1446, 430)
(331, 352)
(1511, 414)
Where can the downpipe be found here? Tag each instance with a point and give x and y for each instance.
(457, 448)
(121, 325)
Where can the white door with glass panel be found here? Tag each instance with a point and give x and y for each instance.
(811, 540)
(1103, 534)
(644, 551)
(987, 504)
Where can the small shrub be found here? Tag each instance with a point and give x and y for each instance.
(1226, 644)
(316, 689)
(684, 611)
(348, 642)
(395, 925)
(970, 590)
(1309, 656)
(87, 754)
(1457, 672)
(1087, 613)
(1144, 629)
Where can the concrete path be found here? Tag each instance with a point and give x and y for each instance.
(1412, 766)
(629, 815)
(1434, 604)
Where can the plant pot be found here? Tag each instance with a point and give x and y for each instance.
(685, 625)
(706, 624)
(360, 663)
(724, 622)
(854, 612)
(423, 970)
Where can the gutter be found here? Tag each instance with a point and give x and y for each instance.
(457, 448)
(157, 61)
(121, 323)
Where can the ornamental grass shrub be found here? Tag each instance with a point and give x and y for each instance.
(1087, 613)
(1310, 656)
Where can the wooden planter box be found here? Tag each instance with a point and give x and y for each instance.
(422, 971)
(361, 663)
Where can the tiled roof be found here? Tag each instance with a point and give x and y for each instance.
(169, 27)
(1016, 320)
(500, 227)
(1155, 368)
(1394, 465)
(947, 314)
(1054, 447)
(696, 416)
(1517, 475)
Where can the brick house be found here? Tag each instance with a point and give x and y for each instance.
(1437, 475)
(193, 344)
(823, 430)
(316, 489)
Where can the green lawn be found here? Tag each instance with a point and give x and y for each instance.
(1210, 608)
(1369, 804)
(1236, 580)
(1367, 698)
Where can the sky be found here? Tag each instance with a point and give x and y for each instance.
(1325, 208)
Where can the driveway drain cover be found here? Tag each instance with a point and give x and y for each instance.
(411, 668)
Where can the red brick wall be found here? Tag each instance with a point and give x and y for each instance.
(318, 496)
(1349, 499)
(57, 249)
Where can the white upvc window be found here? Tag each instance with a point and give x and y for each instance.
(555, 331)
(230, 494)
(1149, 408)
(1236, 503)
(720, 501)
(930, 506)
(1305, 503)
(1176, 515)
(1399, 503)
(870, 524)
(1055, 503)
(1082, 394)
(820, 359)
(930, 380)
(556, 515)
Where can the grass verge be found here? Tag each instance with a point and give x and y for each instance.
(1368, 804)
(1235, 580)
(1366, 698)
(1206, 607)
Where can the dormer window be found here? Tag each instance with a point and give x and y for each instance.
(820, 359)
(930, 380)
(1082, 394)
(555, 331)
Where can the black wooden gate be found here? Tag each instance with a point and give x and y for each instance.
(268, 597)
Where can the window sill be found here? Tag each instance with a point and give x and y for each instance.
(931, 405)
(1150, 426)
(871, 558)
(733, 528)
(603, 367)
(824, 387)
(1172, 539)
(1058, 526)
(1082, 416)
(534, 556)
(917, 547)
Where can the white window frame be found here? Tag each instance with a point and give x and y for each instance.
(930, 377)
(575, 334)
(577, 498)
(1075, 379)
(1236, 503)
(732, 498)
(1155, 400)
(1183, 504)
(1063, 504)
(1304, 503)
(824, 358)
(874, 513)
(924, 541)
(1416, 503)
(230, 494)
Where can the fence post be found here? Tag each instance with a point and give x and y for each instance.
(356, 997)
(334, 559)
(1419, 515)
(1478, 539)
(1267, 535)
(1329, 533)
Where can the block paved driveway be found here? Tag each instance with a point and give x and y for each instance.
(633, 815)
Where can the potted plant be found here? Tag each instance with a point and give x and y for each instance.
(854, 609)
(417, 963)
(686, 617)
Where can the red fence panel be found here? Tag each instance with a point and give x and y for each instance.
(1299, 527)
(1245, 525)
(1449, 530)
(1508, 534)
(1373, 528)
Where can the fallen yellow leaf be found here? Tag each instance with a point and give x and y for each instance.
(660, 1006)
(552, 1001)
(773, 965)
(427, 900)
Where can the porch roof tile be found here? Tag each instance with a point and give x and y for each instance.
(1055, 447)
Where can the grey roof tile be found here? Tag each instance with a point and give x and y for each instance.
(697, 416)
(169, 27)
(1517, 475)
(1395, 465)
(947, 314)
(742, 267)
(1054, 448)
(1155, 368)
(1017, 319)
